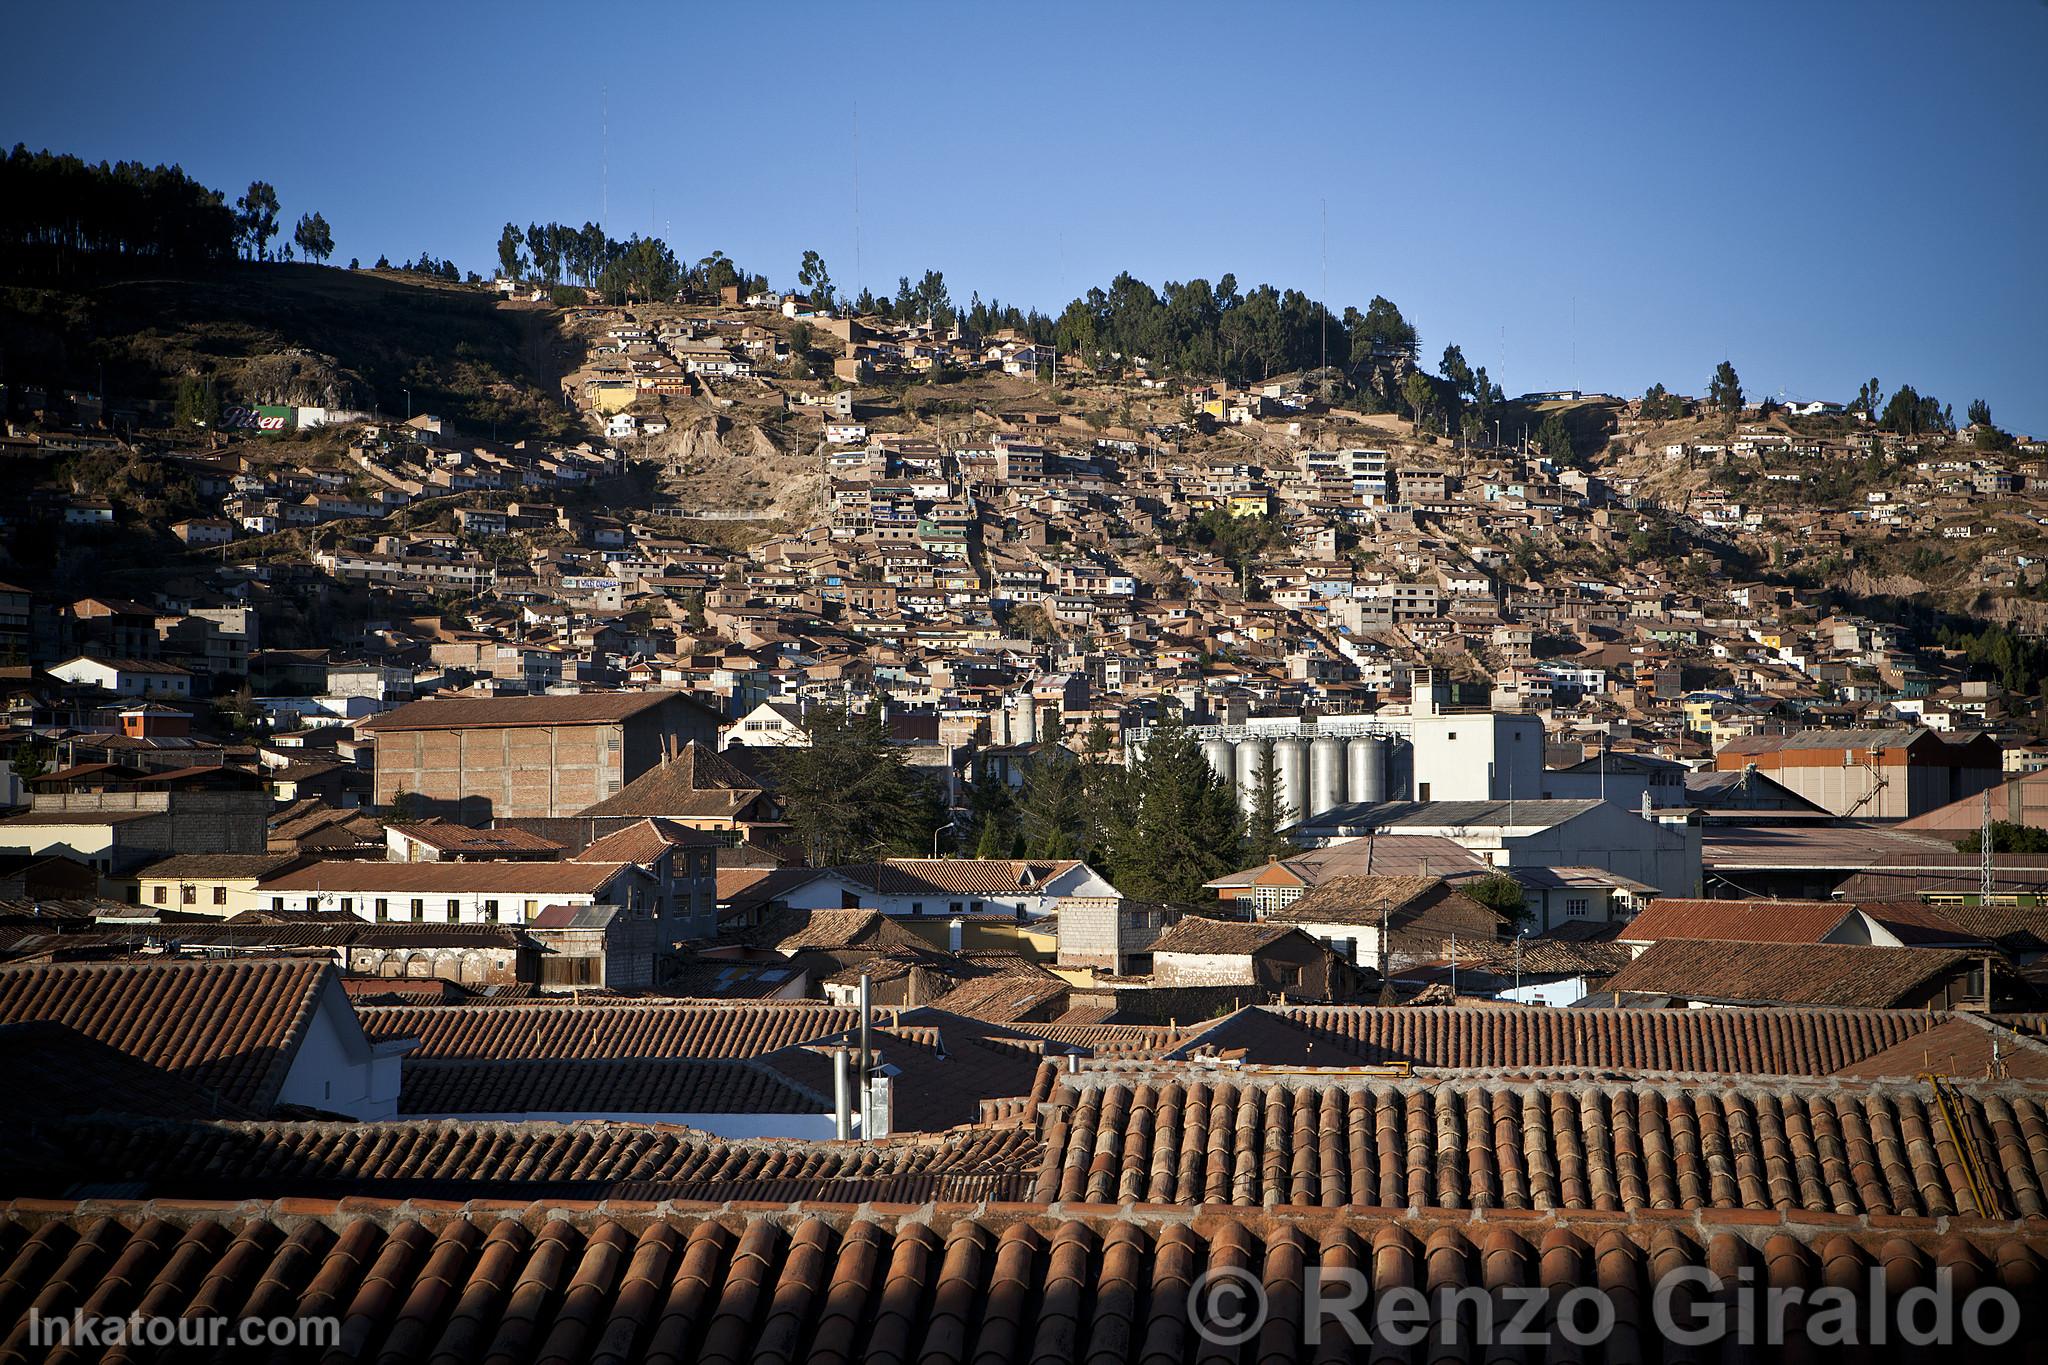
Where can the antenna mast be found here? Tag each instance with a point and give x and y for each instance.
(1323, 304)
(859, 282)
(1987, 863)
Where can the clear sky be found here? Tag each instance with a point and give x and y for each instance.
(1592, 196)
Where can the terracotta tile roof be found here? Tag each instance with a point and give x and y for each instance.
(1195, 934)
(794, 931)
(1786, 973)
(1006, 998)
(1190, 1135)
(450, 837)
(958, 876)
(525, 1282)
(606, 1085)
(1110, 1040)
(210, 866)
(1746, 921)
(1799, 1042)
(1365, 900)
(468, 1159)
(48, 1070)
(624, 1029)
(1966, 1046)
(229, 1027)
(449, 879)
(644, 842)
(457, 713)
(696, 782)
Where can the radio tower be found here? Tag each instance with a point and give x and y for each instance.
(1987, 864)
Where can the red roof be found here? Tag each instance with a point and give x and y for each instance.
(1740, 921)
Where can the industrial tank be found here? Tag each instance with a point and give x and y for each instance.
(1251, 757)
(1326, 774)
(1368, 761)
(1291, 757)
(1222, 760)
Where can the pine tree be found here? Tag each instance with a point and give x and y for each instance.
(1724, 391)
(1270, 814)
(993, 812)
(849, 795)
(1187, 829)
(1052, 812)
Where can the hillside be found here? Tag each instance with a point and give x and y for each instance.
(296, 334)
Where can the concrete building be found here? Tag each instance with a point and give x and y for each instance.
(1661, 854)
(1429, 754)
(1111, 933)
(1871, 774)
(480, 759)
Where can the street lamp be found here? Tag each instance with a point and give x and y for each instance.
(408, 405)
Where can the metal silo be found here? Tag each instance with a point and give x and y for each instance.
(1368, 760)
(1290, 755)
(1326, 774)
(1221, 760)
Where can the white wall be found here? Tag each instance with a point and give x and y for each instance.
(336, 1068)
(1478, 756)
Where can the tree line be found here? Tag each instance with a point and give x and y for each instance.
(64, 218)
(639, 267)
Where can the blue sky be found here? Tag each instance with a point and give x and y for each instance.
(1598, 196)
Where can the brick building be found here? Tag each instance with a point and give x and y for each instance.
(497, 758)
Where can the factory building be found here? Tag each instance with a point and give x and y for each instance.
(1428, 754)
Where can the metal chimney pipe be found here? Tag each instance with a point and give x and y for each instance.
(867, 1051)
(842, 1097)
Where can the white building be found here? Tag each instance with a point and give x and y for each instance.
(126, 677)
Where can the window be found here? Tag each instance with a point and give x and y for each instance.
(1450, 734)
(220, 895)
(419, 910)
(188, 895)
(348, 905)
(490, 912)
(161, 895)
(1575, 907)
(277, 902)
(957, 907)
(383, 910)
(917, 907)
(1422, 791)
(454, 909)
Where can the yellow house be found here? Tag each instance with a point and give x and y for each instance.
(221, 884)
(1256, 504)
(612, 395)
